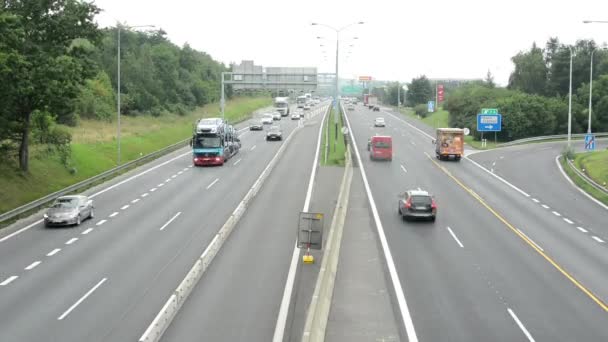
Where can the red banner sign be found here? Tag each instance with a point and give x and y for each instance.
(440, 93)
(365, 78)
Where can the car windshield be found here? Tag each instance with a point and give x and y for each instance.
(209, 122)
(207, 142)
(380, 119)
(421, 200)
(66, 203)
(281, 105)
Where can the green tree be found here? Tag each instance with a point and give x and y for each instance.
(419, 91)
(490, 80)
(393, 92)
(42, 68)
(530, 74)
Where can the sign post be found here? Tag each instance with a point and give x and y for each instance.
(489, 120)
(589, 142)
(431, 106)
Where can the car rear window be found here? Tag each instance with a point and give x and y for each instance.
(421, 200)
(382, 144)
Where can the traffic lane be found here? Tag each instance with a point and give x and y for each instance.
(19, 251)
(243, 304)
(120, 240)
(535, 171)
(496, 257)
(447, 298)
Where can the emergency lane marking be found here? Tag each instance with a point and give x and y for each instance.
(537, 245)
(71, 241)
(455, 237)
(582, 229)
(135, 200)
(568, 221)
(520, 325)
(8, 280)
(550, 260)
(403, 168)
(556, 213)
(125, 207)
(212, 183)
(253, 148)
(67, 312)
(101, 222)
(144, 194)
(32, 265)
(597, 239)
(87, 231)
(54, 251)
(171, 220)
(545, 206)
(535, 200)
(114, 214)
(236, 162)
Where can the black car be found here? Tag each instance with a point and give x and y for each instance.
(274, 133)
(417, 204)
(376, 109)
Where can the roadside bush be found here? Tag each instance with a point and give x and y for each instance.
(421, 109)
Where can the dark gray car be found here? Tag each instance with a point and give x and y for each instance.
(274, 133)
(417, 204)
(69, 210)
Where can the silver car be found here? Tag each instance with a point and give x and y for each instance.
(69, 210)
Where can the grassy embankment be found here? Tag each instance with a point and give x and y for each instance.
(595, 165)
(94, 149)
(336, 150)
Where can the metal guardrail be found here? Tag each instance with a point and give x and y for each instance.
(587, 178)
(548, 137)
(85, 183)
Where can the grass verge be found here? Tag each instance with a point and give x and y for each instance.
(594, 164)
(581, 183)
(94, 149)
(336, 149)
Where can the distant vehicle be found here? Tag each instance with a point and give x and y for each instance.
(69, 210)
(296, 116)
(350, 107)
(379, 122)
(274, 133)
(380, 147)
(281, 105)
(370, 100)
(213, 142)
(307, 106)
(257, 125)
(267, 119)
(417, 204)
(376, 108)
(449, 143)
(276, 116)
(301, 101)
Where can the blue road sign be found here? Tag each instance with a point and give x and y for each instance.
(589, 142)
(489, 122)
(431, 106)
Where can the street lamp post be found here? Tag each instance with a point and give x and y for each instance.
(570, 100)
(118, 26)
(591, 72)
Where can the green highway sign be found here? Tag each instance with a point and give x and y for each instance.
(351, 90)
(489, 111)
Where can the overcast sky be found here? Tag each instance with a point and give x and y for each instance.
(399, 40)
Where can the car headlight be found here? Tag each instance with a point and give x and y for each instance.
(45, 216)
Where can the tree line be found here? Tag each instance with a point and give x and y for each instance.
(57, 66)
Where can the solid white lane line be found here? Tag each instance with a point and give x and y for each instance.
(32, 265)
(597, 239)
(545, 206)
(582, 229)
(144, 194)
(236, 162)
(67, 312)
(101, 222)
(403, 168)
(212, 183)
(125, 207)
(498, 177)
(253, 148)
(113, 214)
(559, 166)
(71, 241)
(20, 231)
(455, 237)
(556, 213)
(8, 280)
(54, 251)
(135, 200)
(520, 325)
(279, 329)
(535, 200)
(392, 269)
(527, 237)
(568, 221)
(171, 220)
(87, 231)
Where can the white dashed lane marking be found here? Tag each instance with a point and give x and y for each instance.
(8, 280)
(87, 231)
(144, 194)
(125, 207)
(545, 206)
(535, 200)
(597, 239)
(556, 213)
(568, 221)
(113, 214)
(135, 200)
(32, 265)
(71, 241)
(54, 251)
(101, 222)
(582, 229)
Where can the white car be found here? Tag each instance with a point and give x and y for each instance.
(267, 119)
(295, 116)
(379, 122)
(276, 116)
(307, 106)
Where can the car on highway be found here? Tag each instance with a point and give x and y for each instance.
(257, 125)
(297, 115)
(69, 210)
(350, 107)
(274, 133)
(417, 204)
(307, 106)
(379, 122)
(276, 116)
(376, 108)
(267, 119)
(380, 147)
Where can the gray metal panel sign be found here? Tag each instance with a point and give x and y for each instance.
(310, 230)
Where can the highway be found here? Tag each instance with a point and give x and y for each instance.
(106, 279)
(496, 265)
